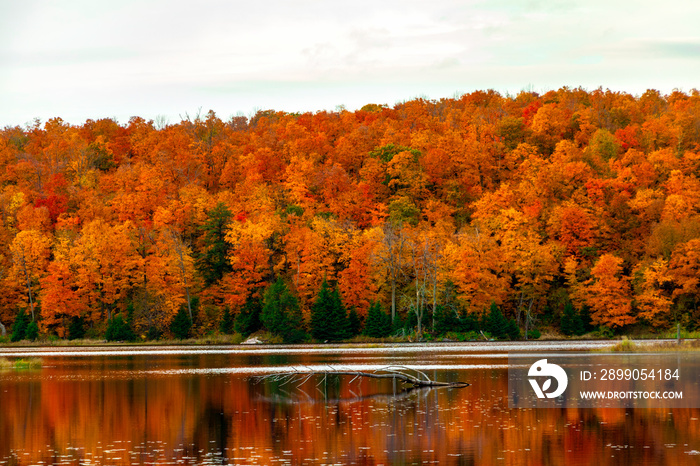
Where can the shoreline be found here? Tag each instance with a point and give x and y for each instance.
(175, 348)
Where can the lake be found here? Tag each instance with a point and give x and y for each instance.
(221, 405)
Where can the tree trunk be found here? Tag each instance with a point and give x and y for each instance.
(3, 330)
(29, 285)
(528, 314)
(526, 322)
(434, 296)
(178, 248)
(393, 298)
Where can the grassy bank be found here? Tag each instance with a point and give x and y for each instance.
(20, 364)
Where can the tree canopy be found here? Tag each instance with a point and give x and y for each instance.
(529, 201)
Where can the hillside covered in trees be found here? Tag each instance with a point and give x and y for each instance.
(538, 203)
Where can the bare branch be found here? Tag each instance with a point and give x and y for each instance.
(390, 372)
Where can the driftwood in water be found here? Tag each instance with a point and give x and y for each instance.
(390, 372)
(401, 396)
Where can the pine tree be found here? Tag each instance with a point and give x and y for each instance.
(248, 319)
(328, 317)
(19, 328)
(496, 323)
(378, 323)
(446, 320)
(181, 325)
(571, 321)
(354, 322)
(213, 261)
(32, 331)
(281, 314)
(76, 329)
(512, 329)
(119, 330)
(226, 324)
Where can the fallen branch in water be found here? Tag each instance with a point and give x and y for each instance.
(400, 396)
(390, 372)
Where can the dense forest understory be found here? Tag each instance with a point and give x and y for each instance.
(571, 210)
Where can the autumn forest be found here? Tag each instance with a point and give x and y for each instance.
(534, 204)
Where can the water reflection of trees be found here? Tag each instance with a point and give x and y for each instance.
(188, 416)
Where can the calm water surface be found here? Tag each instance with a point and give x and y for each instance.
(184, 405)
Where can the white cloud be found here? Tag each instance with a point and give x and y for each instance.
(87, 59)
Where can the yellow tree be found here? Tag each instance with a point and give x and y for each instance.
(60, 297)
(609, 293)
(107, 265)
(156, 293)
(654, 301)
(30, 256)
(474, 264)
(390, 256)
(684, 269)
(180, 262)
(575, 284)
(355, 281)
(250, 256)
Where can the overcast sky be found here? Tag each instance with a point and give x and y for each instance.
(95, 59)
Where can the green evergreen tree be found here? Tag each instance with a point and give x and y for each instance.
(248, 319)
(19, 328)
(398, 325)
(512, 330)
(571, 321)
(354, 322)
(154, 333)
(227, 321)
(213, 261)
(181, 325)
(468, 323)
(32, 331)
(119, 330)
(328, 317)
(586, 322)
(448, 320)
(378, 322)
(76, 329)
(496, 323)
(281, 314)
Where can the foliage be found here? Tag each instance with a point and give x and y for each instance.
(119, 329)
(329, 320)
(248, 319)
(76, 329)
(154, 333)
(463, 336)
(227, 321)
(378, 322)
(19, 328)
(181, 324)
(496, 324)
(32, 331)
(448, 320)
(213, 261)
(512, 330)
(354, 322)
(604, 332)
(423, 206)
(281, 314)
(571, 321)
(609, 293)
